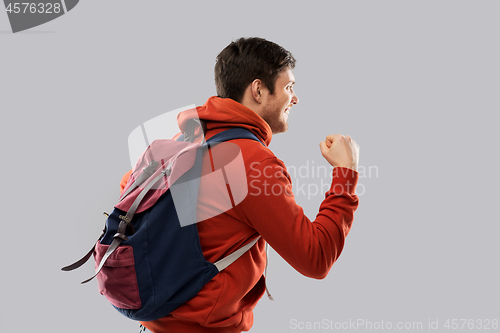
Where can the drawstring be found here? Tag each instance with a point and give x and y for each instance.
(265, 275)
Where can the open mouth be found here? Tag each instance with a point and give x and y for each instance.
(287, 111)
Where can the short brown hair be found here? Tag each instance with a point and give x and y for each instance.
(247, 59)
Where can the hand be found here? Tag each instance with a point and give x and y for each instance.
(340, 151)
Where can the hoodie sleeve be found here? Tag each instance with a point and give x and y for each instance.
(311, 247)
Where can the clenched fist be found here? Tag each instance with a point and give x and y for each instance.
(340, 151)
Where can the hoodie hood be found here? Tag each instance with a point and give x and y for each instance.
(224, 113)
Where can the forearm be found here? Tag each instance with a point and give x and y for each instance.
(311, 248)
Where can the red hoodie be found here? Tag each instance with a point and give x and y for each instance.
(225, 304)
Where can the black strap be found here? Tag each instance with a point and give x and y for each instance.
(79, 262)
(117, 239)
(85, 257)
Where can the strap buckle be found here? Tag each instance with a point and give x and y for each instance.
(130, 228)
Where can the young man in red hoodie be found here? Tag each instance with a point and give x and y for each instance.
(254, 83)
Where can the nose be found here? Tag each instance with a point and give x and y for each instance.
(295, 99)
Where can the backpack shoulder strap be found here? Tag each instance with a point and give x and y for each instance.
(234, 133)
(225, 262)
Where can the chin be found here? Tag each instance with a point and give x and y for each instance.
(280, 129)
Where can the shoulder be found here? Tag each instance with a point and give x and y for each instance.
(256, 155)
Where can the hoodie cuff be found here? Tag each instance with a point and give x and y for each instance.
(344, 181)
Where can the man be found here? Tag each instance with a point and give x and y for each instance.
(254, 83)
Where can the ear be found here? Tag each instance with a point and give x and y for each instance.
(257, 90)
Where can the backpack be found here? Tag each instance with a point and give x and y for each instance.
(148, 259)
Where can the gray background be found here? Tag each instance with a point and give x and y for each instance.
(415, 83)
